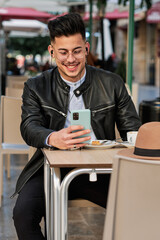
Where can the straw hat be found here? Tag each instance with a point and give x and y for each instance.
(147, 144)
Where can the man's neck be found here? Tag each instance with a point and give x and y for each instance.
(78, 82)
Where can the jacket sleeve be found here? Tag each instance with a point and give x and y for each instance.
(33, 125)
(127, 118)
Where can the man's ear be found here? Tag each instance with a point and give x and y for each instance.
(50, 50)
(87, 48)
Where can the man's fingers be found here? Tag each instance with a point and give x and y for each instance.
(80, 133)
(74, 128)
(78, 140)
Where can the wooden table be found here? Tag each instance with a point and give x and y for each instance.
(84, 161)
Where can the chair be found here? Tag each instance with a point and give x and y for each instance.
(14, 92)
(135, 90)
(16, 81)
(134, 94)
(133, 208)
(11, 141)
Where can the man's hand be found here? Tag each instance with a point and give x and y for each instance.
(65, 138)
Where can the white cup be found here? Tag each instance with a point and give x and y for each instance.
(131, 137)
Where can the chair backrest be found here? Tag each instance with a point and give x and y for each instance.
(10, 120)
(135, 91)
(16, 81)
(14, 92)
(134, 94)
(117, 132)
(133, 208)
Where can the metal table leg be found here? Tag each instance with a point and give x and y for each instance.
(47, 187)
(55, 204)
(64, 194)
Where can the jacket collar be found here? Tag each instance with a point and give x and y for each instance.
(85, 85)
(81, 89)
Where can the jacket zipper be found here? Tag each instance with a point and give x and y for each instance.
(54, 109)
(99, 110)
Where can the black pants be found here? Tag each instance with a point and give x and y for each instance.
(30, 205)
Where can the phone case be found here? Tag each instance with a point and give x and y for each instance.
(82, 117)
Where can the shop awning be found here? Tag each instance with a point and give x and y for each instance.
(25, 28)
(56, 16)
(114, 15)
(23, 13)
(23, 25)
(153, 14)
(87, 16)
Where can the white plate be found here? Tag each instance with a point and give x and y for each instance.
(108, 144)
(127, 144)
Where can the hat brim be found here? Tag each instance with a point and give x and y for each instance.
(130, 154)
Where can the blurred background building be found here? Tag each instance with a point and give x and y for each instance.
(26, 40)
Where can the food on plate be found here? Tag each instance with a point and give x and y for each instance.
(96, 142)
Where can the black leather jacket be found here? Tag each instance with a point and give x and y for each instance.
(45, 106)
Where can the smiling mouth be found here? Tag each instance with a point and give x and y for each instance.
(71, 67)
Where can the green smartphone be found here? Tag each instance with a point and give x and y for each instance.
(82, 117)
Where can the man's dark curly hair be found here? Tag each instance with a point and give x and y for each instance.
(66, 25)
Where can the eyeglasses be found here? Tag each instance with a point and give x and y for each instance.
(63, 55)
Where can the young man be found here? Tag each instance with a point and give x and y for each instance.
(47, 103)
